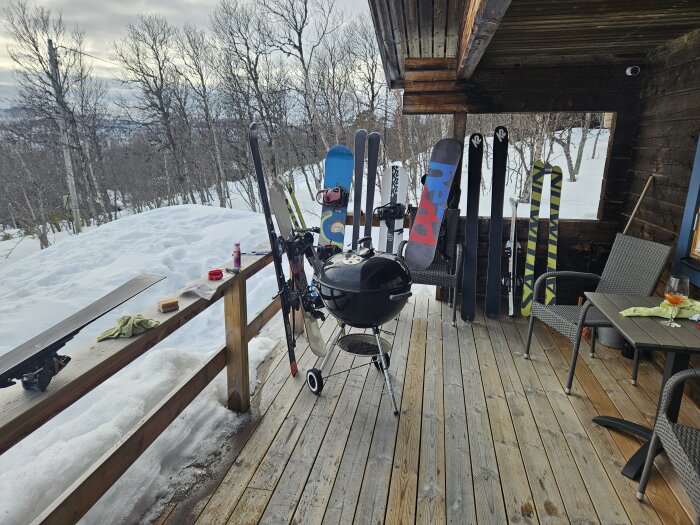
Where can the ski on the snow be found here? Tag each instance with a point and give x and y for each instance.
(297, 244)
(372, 159)
(423, 237)
(360, 143)
(538, 171)
(283, 285)
(476, 154)
(334, 200)
(510, 278)
(498, 185)
(554, 201)
(393, 209)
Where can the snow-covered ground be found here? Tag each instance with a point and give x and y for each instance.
(182, 243)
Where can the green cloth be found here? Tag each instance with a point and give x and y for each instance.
(687, 309)
(127, 326)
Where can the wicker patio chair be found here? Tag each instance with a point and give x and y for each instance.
(443, 271)
(633, 267)
(681, 443)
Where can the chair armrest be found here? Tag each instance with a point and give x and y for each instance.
(459, 259)
(566, 274)
(402, 247)
(674, 383)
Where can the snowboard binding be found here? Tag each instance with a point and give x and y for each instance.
(333, 197)
(390, 212)
(44, 371)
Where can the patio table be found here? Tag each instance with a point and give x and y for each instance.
(647, 333)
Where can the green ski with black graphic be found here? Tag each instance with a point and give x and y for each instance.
(554, 201)
(538, 171)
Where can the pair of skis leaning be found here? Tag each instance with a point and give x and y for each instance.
(294, 293)
(538, 173)
(494, 277)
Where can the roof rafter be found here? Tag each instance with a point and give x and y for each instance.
(479, 22)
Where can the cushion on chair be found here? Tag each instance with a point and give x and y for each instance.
(564, 318)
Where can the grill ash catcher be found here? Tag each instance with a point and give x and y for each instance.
(362, 289)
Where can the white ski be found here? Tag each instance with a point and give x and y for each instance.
(394, 192)
(279, 207)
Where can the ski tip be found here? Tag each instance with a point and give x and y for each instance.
(293, 366)
(339, 150)
(253, 131)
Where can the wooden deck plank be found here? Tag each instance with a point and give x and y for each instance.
(459, 488)
(479, 429)
(647, 408)
(517, 495)
(431, 472)
(401, 506)
(557, 487)
(224, 500)
(579, 427)
(658, 490)
(574, 478)
(372, 500)
(346, 488)
(273, 464)
(285, 497)
(314, 495)
(488, 496)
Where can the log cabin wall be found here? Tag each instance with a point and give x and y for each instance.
(665, 143)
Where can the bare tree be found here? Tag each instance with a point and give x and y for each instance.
(146, 57)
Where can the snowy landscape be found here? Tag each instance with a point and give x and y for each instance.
(40, 288)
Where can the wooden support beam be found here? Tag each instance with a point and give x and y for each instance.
(235, 317)
(479, 23)
(459, 130)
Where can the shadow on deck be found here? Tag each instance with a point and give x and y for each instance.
(484, 436)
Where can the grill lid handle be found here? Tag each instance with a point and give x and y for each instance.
(400, 296)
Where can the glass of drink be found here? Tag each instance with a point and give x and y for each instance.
(677, 289)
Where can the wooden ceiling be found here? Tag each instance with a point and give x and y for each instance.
(452, 40)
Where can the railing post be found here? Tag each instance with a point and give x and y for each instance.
(236, 321)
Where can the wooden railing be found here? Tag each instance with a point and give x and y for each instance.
(22, 412)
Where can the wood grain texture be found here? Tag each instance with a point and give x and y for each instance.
(235, 323)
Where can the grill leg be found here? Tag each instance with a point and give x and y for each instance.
(529, 336)
(385, 371)
(341, 332)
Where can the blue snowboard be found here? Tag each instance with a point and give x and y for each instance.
(339, 169)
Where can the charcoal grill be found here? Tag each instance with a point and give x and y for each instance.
(362, 289)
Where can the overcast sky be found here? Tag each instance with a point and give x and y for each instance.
(105, 21)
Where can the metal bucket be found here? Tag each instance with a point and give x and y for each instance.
(612, 338)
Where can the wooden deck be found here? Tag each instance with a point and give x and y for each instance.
(484, 436)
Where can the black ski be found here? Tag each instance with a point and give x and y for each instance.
(360, 142)
(276, 245)
(372, 159)
(476, 154)
(498, 186)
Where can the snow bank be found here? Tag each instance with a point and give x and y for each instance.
(183, 243)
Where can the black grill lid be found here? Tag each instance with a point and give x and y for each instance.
(365, 271)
